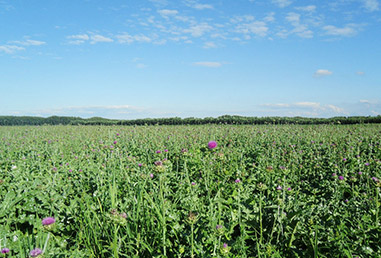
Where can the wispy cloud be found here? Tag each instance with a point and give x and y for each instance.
(348, 31)
(209, 44)
(371, 5)
(127, 38)
(282, 3)
(78, 39)
(208, 64)
(106, 111)
(99, 38)
(258, 28)
(196, 5)
(308, 8)
(298, 28)
(198, 30)
(322, 73)
(29, 42)
(203, 6)
(141, 66)
(10, 49)
(167, 12)
(305, 108)
(92, 38)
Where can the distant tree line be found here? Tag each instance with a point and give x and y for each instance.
(226, 119)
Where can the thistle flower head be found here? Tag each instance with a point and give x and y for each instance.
(48, 221)
(35, 252)
(5, 250)
(212, 145)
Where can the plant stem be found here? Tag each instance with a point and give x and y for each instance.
(192, 239)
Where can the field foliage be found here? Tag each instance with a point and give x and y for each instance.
(160, 191)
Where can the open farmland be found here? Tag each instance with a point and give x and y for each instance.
(162, 191)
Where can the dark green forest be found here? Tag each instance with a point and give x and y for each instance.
(226, 119)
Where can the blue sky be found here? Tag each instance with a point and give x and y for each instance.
(190, 58)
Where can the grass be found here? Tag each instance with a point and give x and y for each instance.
(159, 191)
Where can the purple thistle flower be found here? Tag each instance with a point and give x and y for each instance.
(117, 134)
(238, 180)
(151, 175)
(115, 142)
(48, 221)
(158, 163)
(158, 151)
(5, 250)
(279, 188)
(360, 173)
(219, 227)
(367, 164)
(341, 178)
(334, 174)
(225, 245)
(140, 164)
(375, 179)
(344, 159)
(193, 183)
(212, 145)
(35, 252)
(289, 189)
(165, 150)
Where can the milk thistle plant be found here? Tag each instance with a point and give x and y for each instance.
(258, 190)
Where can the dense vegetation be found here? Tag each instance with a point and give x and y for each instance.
(167, 191)
(62, 120)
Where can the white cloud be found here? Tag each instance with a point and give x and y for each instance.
(322, 72)
(199, 29)
(308, 104)
(282, 3)
(10, 49)
(126, 38)
(167, 12)
(93, 38)
(269, 17)
(347, 31)
(29, 42)
(371, 5)
(160, 2)
(208, 64)
(293, 17)
(141, 66)
(209, 45)
(258, 28)
(308, 8)
(203, 6)
(300, 30)
(99, 38)
(305, 109)
(78, 39)
(277, 105)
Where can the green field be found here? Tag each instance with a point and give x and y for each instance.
(159, 191)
